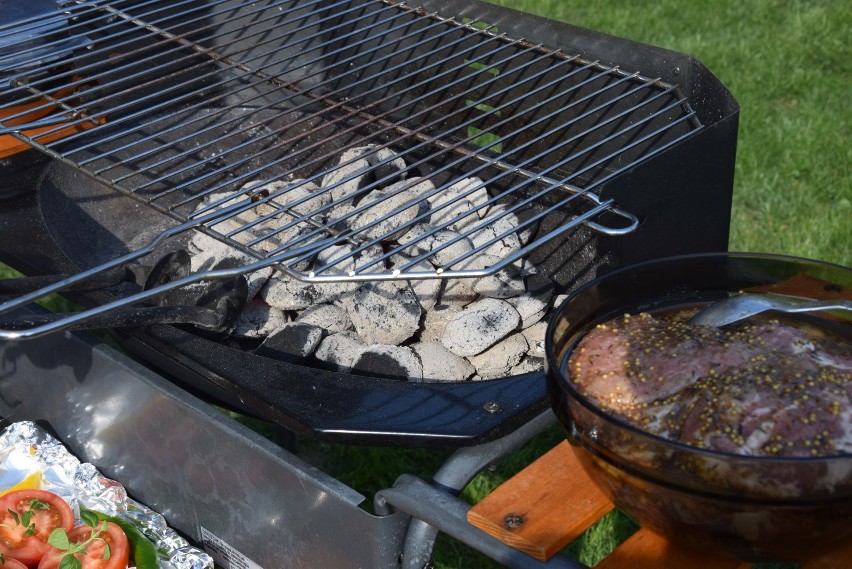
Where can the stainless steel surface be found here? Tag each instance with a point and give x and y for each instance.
(181, 102)
(191, 463)
(741, 306)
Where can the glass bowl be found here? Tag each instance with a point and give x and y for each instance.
(757, 508)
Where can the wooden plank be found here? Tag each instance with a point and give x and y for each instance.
(647, 550)
(544, 507)
(840, 559)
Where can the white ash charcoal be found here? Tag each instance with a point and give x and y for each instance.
(498, 224)
(458, 292)
(532, 309)
(344, 261)
(299, 189)
(477, 195)
(395, 362)
(560, 298)
(331, 318)
(535, 338)
(388, 166)
(435, 321)
(207, 253)
(454, 246)
(293, 341)
(258, 320)
(456, 215)
(514, 219)
(383, 203)
(441, 364)
(353, 165)
(341, 350)
(384, 312)
(505, 283)
(528, 365)
(499, 359)
(287, 293)
(479, 326)
(427, 291)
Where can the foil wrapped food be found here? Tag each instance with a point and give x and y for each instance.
(31, 458)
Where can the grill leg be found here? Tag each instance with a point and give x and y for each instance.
(451, 478)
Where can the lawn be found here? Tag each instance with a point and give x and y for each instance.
(788, 65)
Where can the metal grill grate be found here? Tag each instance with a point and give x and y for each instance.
(238, 118)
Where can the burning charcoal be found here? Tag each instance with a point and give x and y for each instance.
(394, 362)
(291, 342)
(346, 179)
(499, 359)
(458, 292)
(454, 205)
(435, 321)
(382, 204)
(388, 167)
(329, 317)
(535, 338)
(427, 291)
(442, 257)
(258, 320)
(505, 283)
(344, 260)
(514, 220)
(531, 309)
(341, 350)
(499, 223)
(207, 253)
(441, 364)
(384, 312)
(479, 326)
(528, 365)
(287, 293)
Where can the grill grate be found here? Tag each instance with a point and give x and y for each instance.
(236, 118)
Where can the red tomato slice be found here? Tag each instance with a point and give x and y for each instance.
(10, 563)
(119, 549)
(14, 543)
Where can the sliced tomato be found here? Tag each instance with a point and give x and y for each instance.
(9, 563)
(50, 513)
(94, 556)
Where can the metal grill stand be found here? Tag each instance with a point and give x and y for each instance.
(223, 485)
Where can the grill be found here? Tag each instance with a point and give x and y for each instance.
(165, 119)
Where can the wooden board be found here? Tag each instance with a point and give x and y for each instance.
(552, 501)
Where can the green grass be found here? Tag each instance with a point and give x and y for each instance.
(788, 65)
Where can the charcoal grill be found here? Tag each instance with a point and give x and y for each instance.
(165, 118)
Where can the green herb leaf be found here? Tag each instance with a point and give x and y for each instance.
(15, 516)
(106, 551)
(89, 518)
(36, 504)
(70, 562)
(26, 516)
(59, 539)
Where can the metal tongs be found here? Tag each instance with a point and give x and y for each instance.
(741, 306)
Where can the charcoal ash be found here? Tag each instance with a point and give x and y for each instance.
(455, 329)
(479, 326)
(293, 342)
(392, 362)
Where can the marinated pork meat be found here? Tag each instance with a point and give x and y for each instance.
(766, 387)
